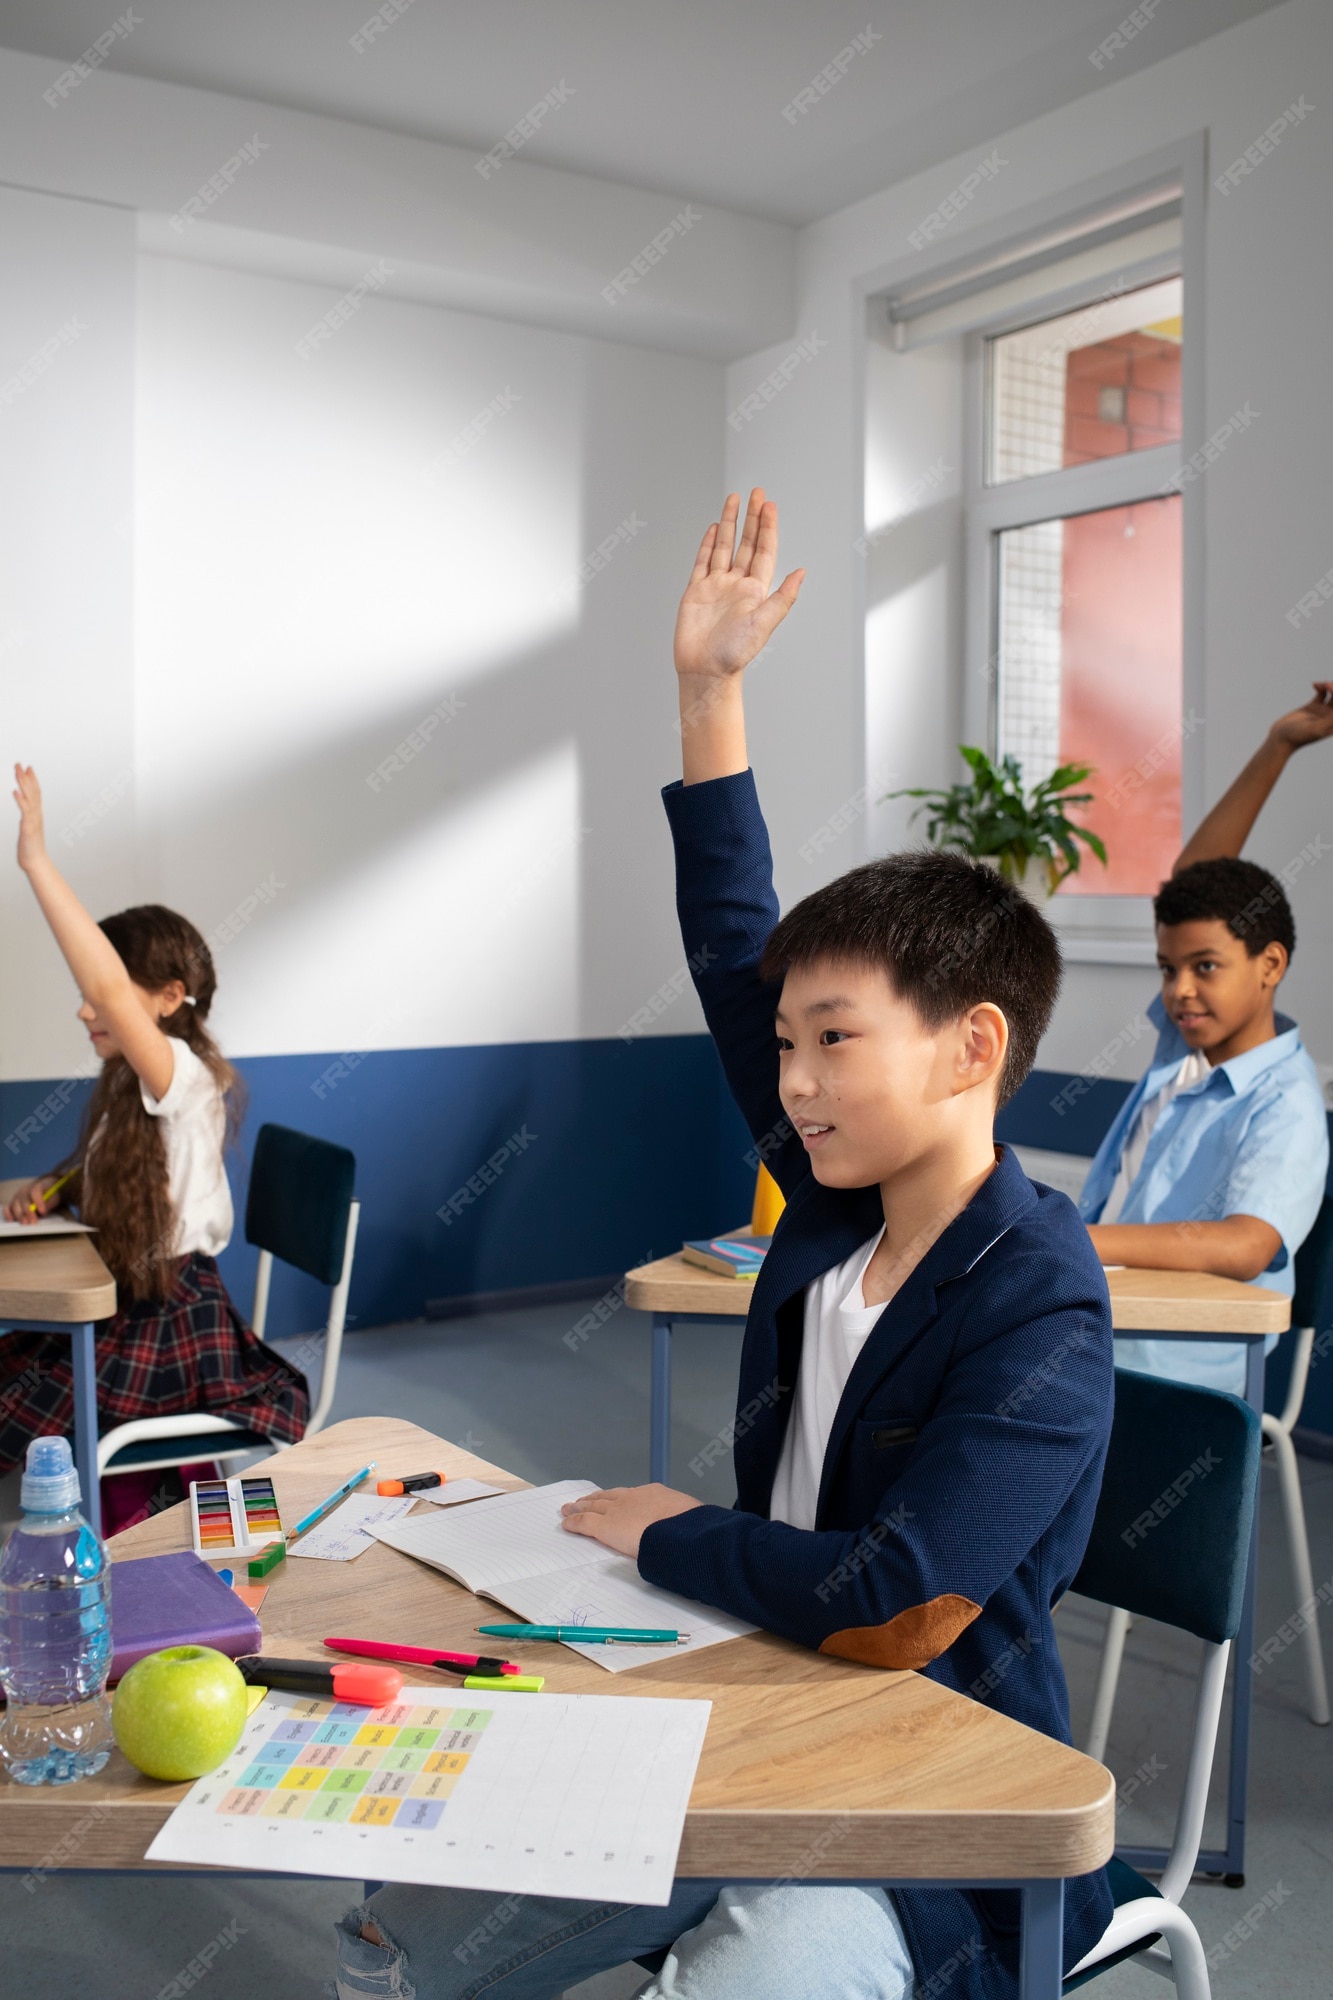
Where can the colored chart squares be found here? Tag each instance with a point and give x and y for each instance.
(335, 1732)
(263, 1776)
(446, 1760)
(360, 1757)
(458, 1739)
(417, 1739)
(377, 1734)
(243, 1801)
(417, 1816)
(328, 1808)
(294, 1732)
(436, 1785)
(389, 1785)
(302, 1778)
(285, 1805)
(345, 1781)
(320, 1756)
(373, 1812)
(399, 1759)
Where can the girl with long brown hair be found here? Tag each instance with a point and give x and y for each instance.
(149, 1177)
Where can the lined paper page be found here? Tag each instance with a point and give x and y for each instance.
(515, 1535)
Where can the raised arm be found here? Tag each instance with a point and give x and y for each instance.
(98, 969)
(1225, 830)
(727, 616)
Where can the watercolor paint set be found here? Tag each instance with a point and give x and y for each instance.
(234, 1517)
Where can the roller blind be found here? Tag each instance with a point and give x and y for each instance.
(1136, 238)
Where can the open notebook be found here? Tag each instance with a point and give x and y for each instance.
(514, 1549)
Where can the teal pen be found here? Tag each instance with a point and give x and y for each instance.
(318, 1513)
(589, 1635)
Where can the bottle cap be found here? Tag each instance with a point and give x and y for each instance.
(50, 1482)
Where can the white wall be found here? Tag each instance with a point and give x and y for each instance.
(1269, 521)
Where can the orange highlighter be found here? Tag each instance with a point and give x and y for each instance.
(412, 1482)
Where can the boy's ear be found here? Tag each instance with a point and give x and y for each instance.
(983, 1046)
(1273, 961)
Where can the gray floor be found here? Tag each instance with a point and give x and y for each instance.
(510, 1386)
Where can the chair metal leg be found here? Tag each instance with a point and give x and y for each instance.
(1041, 1952)
(1189, 1967)
(1113, 1647)
(659, 1415)
(1298, 1542)
(85, 1420)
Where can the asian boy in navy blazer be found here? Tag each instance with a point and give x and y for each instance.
(928, 1350)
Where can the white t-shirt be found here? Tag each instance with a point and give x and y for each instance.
(194, 1128)
(1193, 1069)
(837, 1322)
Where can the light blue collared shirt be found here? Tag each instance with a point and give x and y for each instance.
(1250, 1139)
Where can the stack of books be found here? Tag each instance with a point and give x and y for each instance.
(728, 1256)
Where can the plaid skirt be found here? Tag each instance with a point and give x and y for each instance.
(191, 1352)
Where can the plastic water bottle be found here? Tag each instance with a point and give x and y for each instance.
(55, 1629)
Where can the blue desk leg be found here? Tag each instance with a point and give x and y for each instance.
(659, 1415)
(85, 1420)
(1238, 1776)
(1041, 1961)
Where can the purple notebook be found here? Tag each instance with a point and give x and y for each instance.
(175, 1600)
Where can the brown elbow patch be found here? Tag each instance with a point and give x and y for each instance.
(913, 1639)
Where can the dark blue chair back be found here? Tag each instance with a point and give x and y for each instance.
(1171, 1535)
(1314, 1269)
(299, 1199)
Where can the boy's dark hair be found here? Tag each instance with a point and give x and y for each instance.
(1246, 898)
(949, 933)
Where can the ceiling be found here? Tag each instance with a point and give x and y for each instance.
(685, 97)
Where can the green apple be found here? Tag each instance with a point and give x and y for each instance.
(178, 1713)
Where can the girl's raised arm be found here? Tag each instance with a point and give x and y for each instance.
(109, 994)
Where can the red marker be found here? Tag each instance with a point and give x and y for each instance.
(345, 1681)
(424, 1656)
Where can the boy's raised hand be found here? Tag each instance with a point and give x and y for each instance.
(1310, 723)
(727, 614)
(28, 799)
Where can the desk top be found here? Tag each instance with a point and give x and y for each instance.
(53, 1277)
(1141, 1301)
(908, 1778)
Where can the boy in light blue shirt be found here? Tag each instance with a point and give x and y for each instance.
(1218, 1159)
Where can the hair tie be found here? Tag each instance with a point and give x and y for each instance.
(188, 1000)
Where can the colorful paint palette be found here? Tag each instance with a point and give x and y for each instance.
(234, 1516)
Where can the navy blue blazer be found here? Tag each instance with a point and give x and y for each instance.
(966, 1455)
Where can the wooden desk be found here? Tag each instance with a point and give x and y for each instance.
(59, 1284)
(1175, 1305)
(812, 1767)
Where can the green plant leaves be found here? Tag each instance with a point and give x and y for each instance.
(993, 817)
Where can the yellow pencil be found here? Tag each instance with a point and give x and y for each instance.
(53, 1189)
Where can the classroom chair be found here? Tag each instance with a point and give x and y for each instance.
(301, 1209)
(1187, 1570)
(1314, 1275)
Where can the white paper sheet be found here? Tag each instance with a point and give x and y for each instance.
(342, 1535)
(455, 1490)
(545, 1795)
(516, 1551)
(47, 1225)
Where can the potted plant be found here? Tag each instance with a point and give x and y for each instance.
(992, 817)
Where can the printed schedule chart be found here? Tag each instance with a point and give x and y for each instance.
(576, 1795)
